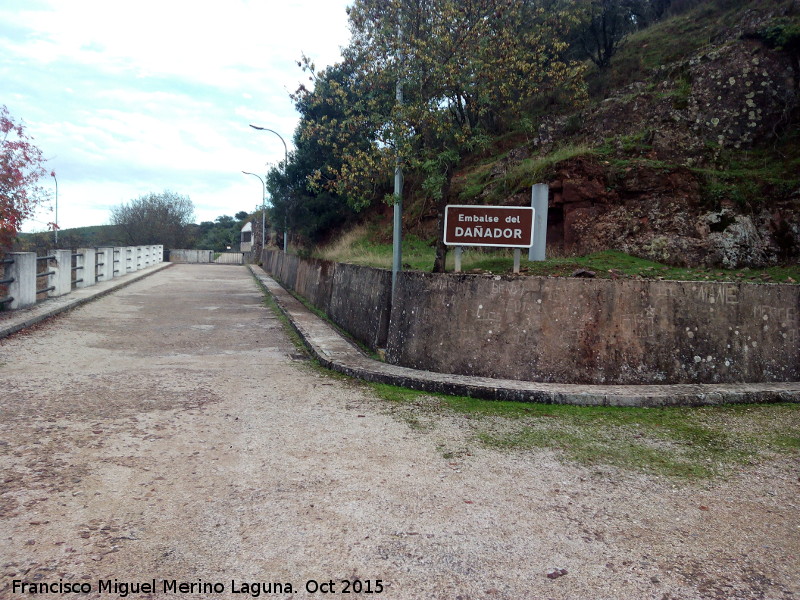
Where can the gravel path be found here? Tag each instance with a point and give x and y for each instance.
(171, 434)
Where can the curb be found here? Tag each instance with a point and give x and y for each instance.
(334, 352)
(26, 317)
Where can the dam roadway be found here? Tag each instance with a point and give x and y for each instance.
(171, 434)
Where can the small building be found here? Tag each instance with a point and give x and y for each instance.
(246, 242)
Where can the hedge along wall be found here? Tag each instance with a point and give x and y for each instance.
(562, 330)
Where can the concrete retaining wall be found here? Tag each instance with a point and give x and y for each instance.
(561, 330)
(356, 298)
(315, 282)
(564, 330)
(191, 256)
(361, 301)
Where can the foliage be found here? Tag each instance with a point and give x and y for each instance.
(665, 36)
(607, 24)
(217, 235)
(155, 219)
(21, 167)
(465, 107)
(783, 34)
(77, 237)
(466, 68)
(221, 234)
(340, 126)
(311, 212)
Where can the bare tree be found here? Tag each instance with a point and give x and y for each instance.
(607, 24)
(155, 219)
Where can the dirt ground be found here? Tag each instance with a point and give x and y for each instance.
(170, 434)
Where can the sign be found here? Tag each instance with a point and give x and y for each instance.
(499, 226)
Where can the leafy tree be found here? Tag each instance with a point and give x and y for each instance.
(467, 67)
(21, 167)
(163, 218)
(225, 221)
(656, 10)
(221, 234)
(312, 211)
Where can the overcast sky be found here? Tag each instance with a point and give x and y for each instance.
(131, 97)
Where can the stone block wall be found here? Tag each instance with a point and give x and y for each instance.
(191, 256)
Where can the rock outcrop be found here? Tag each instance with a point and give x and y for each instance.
(650, 187)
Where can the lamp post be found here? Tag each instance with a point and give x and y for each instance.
(263, 204)
(397, 217)
(55, 223)
(285, 165)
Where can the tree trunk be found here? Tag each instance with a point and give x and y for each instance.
(441, 248)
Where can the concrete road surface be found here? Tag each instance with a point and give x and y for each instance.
(169, 441)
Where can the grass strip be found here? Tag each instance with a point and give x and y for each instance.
(685, 443)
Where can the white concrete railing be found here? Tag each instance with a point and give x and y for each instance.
(90, 265)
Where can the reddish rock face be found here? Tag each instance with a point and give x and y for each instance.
(577, 220)
(577, 190)
(659, 213)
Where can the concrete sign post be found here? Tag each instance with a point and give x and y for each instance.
(459, 252)
(539, 195)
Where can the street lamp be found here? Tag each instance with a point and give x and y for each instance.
(55, 223)
(285, 165)
(263, 204)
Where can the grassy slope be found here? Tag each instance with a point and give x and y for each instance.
(358, 246)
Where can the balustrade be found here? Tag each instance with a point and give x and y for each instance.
(64, 270)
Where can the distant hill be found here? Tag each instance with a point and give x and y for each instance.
(77, 237)
(217, 235)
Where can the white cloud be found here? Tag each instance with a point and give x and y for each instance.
(128, 98)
